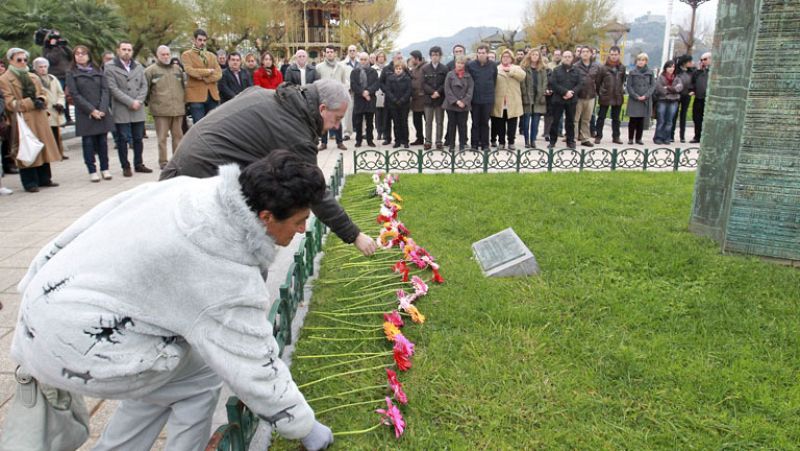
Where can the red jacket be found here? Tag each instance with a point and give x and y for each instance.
(260, 78)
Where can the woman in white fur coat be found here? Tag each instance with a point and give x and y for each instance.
(178, 306)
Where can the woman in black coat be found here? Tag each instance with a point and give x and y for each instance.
(91, 97)
(398, 100)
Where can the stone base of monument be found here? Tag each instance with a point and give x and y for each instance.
(505, 255)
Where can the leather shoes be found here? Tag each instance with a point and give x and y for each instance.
(418, 142)
(341, 146)
(597, 140)
(371, 143)
(33, 189)
(587, 144)
(426, 147)
(126, 172)
(386, 143)
(142, 168)
(617, 141)
(49, 185)
(322, 147)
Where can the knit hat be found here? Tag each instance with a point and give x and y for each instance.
(416, 54)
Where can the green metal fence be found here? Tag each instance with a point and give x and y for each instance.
(242, 422)
(594, 158)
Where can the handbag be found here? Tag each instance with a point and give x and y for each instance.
(44, 418)
(29, 144)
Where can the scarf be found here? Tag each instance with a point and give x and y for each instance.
(330, 64)
(28, 88)
(669, 77)
(460, 73)
(45, 79)
(87, 68)
(362, 77)
(201, 53)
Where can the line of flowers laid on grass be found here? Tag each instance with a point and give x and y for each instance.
(393, 234)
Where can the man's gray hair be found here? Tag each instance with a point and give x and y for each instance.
(40, 61)
(14, 50)
(162, 47)
(332, 93)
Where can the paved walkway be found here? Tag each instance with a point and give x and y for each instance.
(29, 221)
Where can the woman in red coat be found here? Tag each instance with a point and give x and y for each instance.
(267, 76)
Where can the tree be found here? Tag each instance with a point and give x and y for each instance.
(253, 23)
(690, 38)
(372, 26)
(567, 23)
(701, 38)
(86, 22)
(150, 23)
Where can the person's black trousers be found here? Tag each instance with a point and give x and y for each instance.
(505, 127)
(358, 125)
(563, 109)
(399, 116)
(480, 125)
(35, 177)
(419, 126)
(456, 120)
(697, 111)
(616, 110)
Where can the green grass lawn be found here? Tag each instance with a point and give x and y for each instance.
(637, 335)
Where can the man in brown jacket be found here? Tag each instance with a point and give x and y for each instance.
(204, 72)
(610, 89)
(165, 94)
(587, 91)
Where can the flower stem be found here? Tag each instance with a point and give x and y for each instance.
(353, 329)
(372, 401)
(347, 362)
(359, 307)
(346, 373)
(314, 337)
(339, 395)
(329, 314)
(362, 431)
(349, 323)
(347, 354)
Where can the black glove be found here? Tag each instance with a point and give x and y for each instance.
(39, 104)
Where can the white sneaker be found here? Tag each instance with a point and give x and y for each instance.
(94, 177)
(6, 191)
(107, 175)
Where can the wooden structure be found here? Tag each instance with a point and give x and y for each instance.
(747, 191)
(615, 34)
(317, 25)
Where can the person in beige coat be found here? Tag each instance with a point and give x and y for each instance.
(23, 93)
(204, 72)
(507, 99)
(165, 94)
(55, 100)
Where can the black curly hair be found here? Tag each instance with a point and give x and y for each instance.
(281, 183)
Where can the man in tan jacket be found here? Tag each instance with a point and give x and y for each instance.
(165, 96)
(204, 72)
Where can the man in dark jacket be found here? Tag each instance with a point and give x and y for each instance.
(586, 95)
(610, 88)
(59, 55)
(417, 96)
(433, 75)
(484, 75)
(564, 82)
(259, 121)
(234, 80)
(301, 73)
(700, 83)
(364, 83)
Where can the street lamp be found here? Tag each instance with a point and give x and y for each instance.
(694, 4)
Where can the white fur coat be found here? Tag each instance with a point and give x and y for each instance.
(113, 304)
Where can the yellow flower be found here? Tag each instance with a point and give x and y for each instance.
(390, 330)
(416, 316)
(397, 197)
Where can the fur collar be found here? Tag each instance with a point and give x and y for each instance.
(224, 225)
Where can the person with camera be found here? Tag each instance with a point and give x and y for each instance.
(55, 100)
(23, 94)
(59, 55)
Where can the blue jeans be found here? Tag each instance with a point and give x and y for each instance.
(336, 132)
(199, 110)
(95, 144)
(665, 110)
(132, 131)
(530, 126)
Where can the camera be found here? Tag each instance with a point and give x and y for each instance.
(43, 36)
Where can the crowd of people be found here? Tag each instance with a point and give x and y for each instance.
(570, 94)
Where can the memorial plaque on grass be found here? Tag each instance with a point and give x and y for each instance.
(505, 255)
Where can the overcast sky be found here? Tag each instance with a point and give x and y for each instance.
(425, 19)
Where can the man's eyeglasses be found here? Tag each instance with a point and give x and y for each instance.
(703, 59)
(80, 53)
(21, 60)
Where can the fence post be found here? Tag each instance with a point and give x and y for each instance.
(613, 158)
(419, 161)
(453, 161)
(550, 156)
(676, 163)
(355, 162)
(519, 157)
(583, 156)
(486, 161)
(646, 156)
(386, 153)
